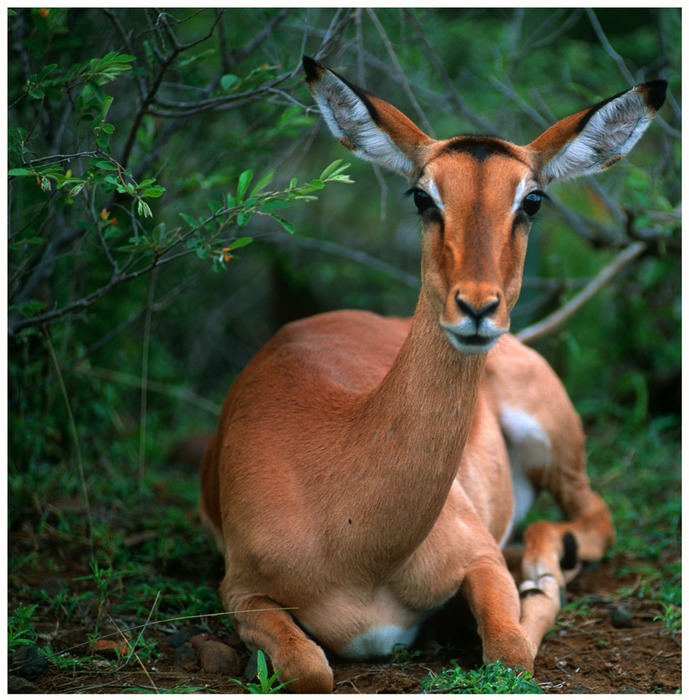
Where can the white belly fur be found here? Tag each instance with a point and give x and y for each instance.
(380, 641)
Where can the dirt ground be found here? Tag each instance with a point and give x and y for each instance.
(605, 645)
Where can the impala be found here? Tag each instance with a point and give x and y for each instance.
(365, 469)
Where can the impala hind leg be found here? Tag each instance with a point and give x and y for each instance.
(263, 624)
(559, 548)
(553, 551)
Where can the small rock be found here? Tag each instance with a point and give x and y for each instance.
(186, 658)
(198, 640)
(621, 617)
(216, 657)
(233, 640)
(28, 663)
(18, 685)
(110, 649)
(184, 635)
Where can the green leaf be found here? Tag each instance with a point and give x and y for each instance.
(29, 307)
(289, 227)
(262, 183)
(333, 169)
(154, 192)
(227, 82)
(189, 220)
(143, 208)
(243, 184)
(76, 189)
(243, 218)
(272, 205)
(107, 103)
(20, 172)
(106, 165)
(240, 242)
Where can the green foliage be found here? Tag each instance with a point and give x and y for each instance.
(495, 678)
(265, 683)
(20, 627)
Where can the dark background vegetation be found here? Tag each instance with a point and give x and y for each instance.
(136, 297)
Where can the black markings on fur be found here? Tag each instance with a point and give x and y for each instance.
(310, 68)
(480, 147)
(313, 71)
(531, 591)
(654, 95)
(570, 555)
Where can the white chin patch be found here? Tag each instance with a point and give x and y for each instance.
(471, 345)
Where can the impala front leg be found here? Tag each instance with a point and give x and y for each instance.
(494, 601)
(263, 624)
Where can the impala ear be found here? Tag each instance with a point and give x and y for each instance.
(368, 126)
(596, 138)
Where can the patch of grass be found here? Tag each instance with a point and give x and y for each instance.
(148, 559)
(265, 683)
(20, 627)
(491, 678)
(671, 618)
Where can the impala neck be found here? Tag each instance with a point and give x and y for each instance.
(416, 422)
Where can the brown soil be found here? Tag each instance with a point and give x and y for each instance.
(607, 645)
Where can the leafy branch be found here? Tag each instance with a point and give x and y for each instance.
(210, 238)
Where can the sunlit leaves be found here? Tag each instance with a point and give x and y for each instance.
(212, 238)
(97, 70)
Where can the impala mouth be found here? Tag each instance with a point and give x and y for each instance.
(467, 338)
(471, 344)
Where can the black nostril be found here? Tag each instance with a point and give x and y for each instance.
(477, 314)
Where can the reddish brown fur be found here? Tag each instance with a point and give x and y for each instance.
(360, 475)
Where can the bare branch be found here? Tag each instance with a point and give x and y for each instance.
(616, 58)
(240, 54)
(550, 324)
(400, 72)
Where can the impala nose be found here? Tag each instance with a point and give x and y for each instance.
(477, 313)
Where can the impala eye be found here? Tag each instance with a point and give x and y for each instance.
(532, 203)
(422, 200)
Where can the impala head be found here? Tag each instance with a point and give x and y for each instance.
(477, 196)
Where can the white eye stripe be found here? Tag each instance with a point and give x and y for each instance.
(522, 189)
(433, 192)
(519, 195)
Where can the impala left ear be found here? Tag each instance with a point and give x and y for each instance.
(365, 124)
(596, 138)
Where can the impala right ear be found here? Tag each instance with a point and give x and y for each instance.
(368, 126)
(596, 138)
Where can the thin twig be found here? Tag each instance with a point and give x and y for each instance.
(185, 395)
(144, 377)
(400, 72)
(350, 254)
(75, 435)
